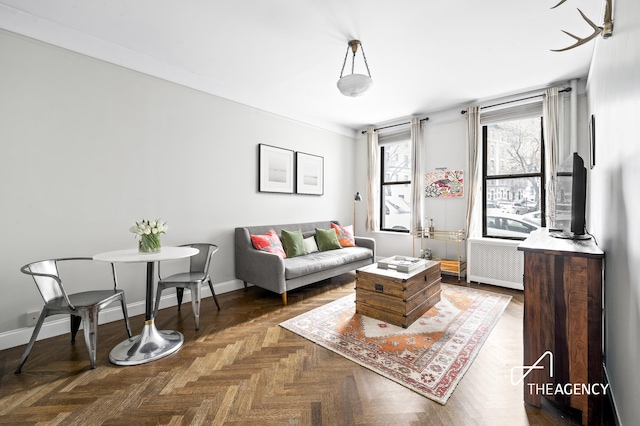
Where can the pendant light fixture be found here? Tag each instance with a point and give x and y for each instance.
(354, 84)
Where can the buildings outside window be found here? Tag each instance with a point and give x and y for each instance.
(513, 184)
(395, 186)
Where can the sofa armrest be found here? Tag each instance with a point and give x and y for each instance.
(253, 266)
(367, 242)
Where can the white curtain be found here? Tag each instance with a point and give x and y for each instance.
(371, 223)
(473, 190)
(417, 206)
(551, 119)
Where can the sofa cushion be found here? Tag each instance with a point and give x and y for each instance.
(345, 235)
(269, 242)
(310, 244)
(322, 260)
(327, 239)
(293, 243)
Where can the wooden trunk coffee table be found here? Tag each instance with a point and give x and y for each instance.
(399, 298)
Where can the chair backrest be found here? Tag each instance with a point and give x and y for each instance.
(45, 274)
(201, 261)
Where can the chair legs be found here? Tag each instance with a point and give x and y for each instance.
(89, 318)
(179, 294)
(157, 304)
(213, 293)
(123, 303)
(75, 321)
(34, 336)
(196, 297)
(90, 322)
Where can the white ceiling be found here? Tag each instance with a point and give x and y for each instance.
(285, 56)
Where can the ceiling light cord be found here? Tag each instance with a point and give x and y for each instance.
(353, 59)
(365, 60)
(345, 62)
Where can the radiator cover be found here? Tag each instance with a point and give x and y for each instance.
(497, 262)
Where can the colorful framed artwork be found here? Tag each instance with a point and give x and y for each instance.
(275, 169)
(444, 184)
(309, 174)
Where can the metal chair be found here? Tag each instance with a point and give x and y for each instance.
(198, 274)
(84, 306)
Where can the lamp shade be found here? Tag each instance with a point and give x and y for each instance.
(354, 84)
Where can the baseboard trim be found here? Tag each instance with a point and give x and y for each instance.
(57, 327)
(611, 398)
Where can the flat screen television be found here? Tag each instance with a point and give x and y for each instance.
(571, 200)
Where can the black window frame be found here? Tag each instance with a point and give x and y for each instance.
(384, 184)
(485, 178)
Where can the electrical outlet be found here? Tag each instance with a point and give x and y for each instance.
(32, 318)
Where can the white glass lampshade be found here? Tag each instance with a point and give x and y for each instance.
(354, 84)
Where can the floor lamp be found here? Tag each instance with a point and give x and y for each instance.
(356, 199)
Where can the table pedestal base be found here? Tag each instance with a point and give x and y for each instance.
(148, 346)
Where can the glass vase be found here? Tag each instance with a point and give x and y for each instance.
(149, 243)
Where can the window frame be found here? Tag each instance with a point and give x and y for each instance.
(541, 175)
(384, 184)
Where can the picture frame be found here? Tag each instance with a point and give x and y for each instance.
(592, 141)
(309, 174)
(444, 184)
(276, 167)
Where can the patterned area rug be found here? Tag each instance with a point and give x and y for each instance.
(429, 357)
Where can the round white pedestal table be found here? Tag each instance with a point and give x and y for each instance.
(152, 343)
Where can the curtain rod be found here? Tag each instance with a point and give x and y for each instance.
(396, 125)
(568, 89)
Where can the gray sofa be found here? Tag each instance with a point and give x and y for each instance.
(271, 272)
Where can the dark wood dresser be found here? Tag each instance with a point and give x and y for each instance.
(563, 312)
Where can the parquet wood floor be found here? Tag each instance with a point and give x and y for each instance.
(241, 368)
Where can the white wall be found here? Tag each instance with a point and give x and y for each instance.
(614, 98)
(89, 147)
(444, 138)
(445, 141)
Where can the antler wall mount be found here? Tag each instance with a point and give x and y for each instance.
(605, 30)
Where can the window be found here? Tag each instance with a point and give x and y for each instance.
(395, 193)
(513, 184)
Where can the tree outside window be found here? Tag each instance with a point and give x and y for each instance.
(513, 184)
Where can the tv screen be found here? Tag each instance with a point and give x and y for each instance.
(571, 199)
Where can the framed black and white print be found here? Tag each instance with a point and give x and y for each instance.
(309, 174)
(592, 141)
(276, 169)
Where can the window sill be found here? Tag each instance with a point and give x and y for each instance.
(406, 234)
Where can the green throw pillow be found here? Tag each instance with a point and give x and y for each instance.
(293, 243)
(327, 239)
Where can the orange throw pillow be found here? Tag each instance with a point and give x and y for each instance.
(345, 235)
(270, 242)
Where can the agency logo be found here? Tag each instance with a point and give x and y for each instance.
(526, 369)
(520, 372)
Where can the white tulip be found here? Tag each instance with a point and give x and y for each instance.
(149, 227)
